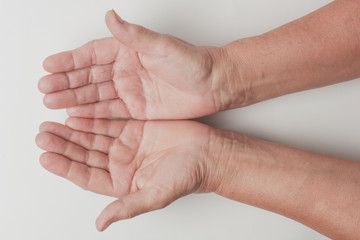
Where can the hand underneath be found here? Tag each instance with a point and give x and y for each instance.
(147, 165)
(136, 74)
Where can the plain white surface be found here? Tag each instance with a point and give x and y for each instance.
(35, 204)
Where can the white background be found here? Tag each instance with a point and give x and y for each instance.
(35, 204)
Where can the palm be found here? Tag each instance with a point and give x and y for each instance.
(151, 163)
(144, 76)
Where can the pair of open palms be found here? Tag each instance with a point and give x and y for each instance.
(137, 74)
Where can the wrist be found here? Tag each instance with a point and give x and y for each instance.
(254, 72)
(229, 88)
(222, 165)
(233, 75)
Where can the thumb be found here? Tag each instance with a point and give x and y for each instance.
(133, 36)
(129, 206)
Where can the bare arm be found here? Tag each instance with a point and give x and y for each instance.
(319, 49)
(319, 191)
(149, 164)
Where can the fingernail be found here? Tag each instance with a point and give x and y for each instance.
(118, 17)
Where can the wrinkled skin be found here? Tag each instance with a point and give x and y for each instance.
(146, 164)
(135, 74)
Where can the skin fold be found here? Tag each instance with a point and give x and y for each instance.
(142, 75)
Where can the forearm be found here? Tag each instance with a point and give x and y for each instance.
(319, 49)
(319, 191)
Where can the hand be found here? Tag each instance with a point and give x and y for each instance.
(147, 165)
(137, 74)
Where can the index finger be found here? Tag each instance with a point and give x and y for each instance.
(96, 52)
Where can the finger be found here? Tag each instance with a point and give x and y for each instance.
(77, 78)
(86, 140)
(52, 143)
(112, 128)
(114, 108)
(134, 36)
(96, 52)
(130, 206)
(87, 94)
(92, 179)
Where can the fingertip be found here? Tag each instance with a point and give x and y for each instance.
(43, 139)
(69, 121)
(98, 228)
(54, 163)
(117, 17)
(48, 65)
(72, 122)
(46, 141)
(107, 216)
(38, 139)
(109, 13)
(59, 62)
(44, 125)
(101, 223)
(41, 127)
(47, 101)
(116, 25)
(50, 102)
(44, 160)
(71, 111)
(53, 83)
(108, 17)
(42, 86)
(52, 127)
(55, 63)
(45, 64)
(112, 15)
